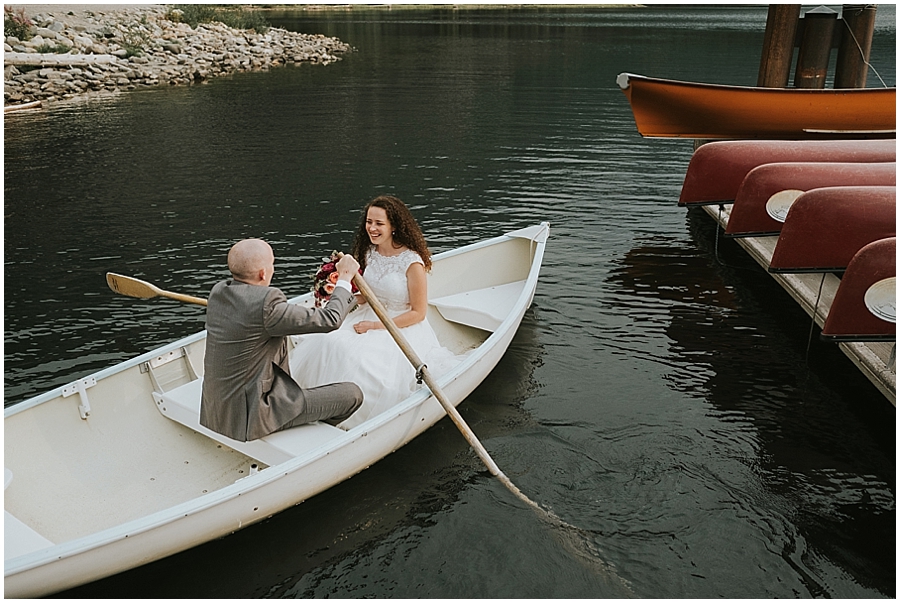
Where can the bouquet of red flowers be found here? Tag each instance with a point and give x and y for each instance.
(326, 278)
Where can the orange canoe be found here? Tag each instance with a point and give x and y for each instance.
(673, 109)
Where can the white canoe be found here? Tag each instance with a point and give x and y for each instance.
(114, 471)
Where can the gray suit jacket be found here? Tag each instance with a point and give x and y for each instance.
(247, 388)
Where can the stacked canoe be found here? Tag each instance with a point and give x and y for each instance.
(821, 217)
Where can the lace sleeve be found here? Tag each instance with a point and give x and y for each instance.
(411, 258)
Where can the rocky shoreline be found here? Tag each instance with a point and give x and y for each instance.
(108, 51)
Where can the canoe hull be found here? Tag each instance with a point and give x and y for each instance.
(210, 508)
(756, 213)
(825, 227)
(260, 497)
(864, 307)
(674, 109)
(717, 169)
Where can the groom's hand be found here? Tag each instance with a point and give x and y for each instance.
(347, 266)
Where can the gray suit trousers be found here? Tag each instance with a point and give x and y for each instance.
(332, 403)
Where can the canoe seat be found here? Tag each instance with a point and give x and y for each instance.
(20, 539)
(481, 308)
(182, 404)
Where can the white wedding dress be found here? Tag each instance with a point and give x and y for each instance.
(372, 360)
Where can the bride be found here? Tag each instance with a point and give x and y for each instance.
(394, 258)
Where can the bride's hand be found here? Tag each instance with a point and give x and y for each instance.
(366, 325)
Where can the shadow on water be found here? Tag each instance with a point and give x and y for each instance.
(740, 342)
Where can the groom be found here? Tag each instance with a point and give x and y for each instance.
(248, 391)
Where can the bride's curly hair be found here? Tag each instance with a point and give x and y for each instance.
(405, 230)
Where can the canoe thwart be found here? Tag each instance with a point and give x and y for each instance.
(481, 308)
(182, 405)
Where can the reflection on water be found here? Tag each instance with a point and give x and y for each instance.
(659, 395)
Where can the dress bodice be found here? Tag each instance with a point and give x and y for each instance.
(386, 275)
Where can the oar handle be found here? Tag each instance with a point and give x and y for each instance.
(190, 299)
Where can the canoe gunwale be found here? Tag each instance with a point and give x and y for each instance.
(628, 77)
(858, 338)
(744, 235)
(43, 559)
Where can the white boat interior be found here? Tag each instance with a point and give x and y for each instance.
(125, 444)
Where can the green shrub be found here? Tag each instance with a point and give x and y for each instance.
(48, 48)
(16, 24)
(134, 41)
(244, 19)
(238, 18)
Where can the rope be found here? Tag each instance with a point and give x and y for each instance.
(814, 314)
(863, 55)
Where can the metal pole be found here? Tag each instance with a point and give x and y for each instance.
(856, 44)
(778, 45)
(815, 48)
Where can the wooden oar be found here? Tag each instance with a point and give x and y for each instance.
(133, 287)
(574, 539)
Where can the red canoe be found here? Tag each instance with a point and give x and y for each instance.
(865, 305)
(670, 108)
(766, 194)
(827, 226)
(717, 169)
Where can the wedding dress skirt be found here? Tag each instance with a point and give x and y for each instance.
(372, 360)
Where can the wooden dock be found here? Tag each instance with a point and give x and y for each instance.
(875, 360)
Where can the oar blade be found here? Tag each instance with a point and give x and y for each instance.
(132, 287)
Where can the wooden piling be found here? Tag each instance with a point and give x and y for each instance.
(778, 45)
(858, 28)
(815, 48)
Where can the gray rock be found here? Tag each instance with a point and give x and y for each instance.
(174, 53)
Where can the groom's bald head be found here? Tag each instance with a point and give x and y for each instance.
(251, 261)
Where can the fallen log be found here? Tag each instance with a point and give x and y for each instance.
(51, 60)
(32, 105)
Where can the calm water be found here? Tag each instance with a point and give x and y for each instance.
(661, 395)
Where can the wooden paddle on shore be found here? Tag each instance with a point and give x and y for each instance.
(133, 287)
